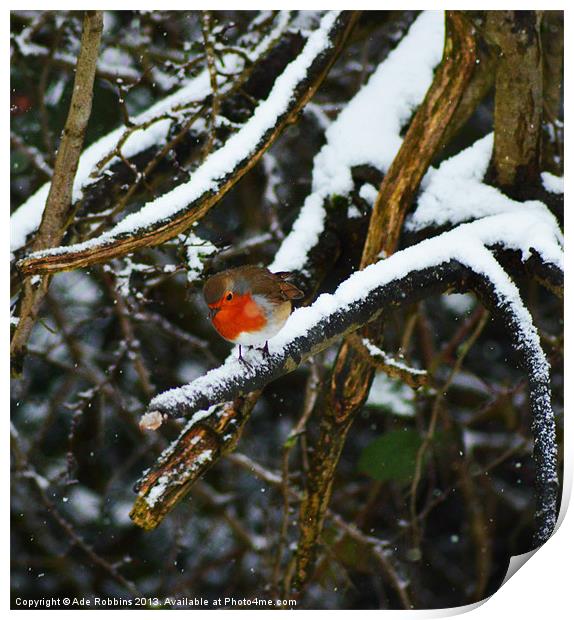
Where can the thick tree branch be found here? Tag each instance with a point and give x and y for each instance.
(478, 87)
(199, 446)
(424, 138)
(59, 199)
(518, 99)
(352, 374)
(224, 383)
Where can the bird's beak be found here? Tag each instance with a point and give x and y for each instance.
(213, 312)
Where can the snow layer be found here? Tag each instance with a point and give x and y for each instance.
(367, 131)
(552, 183)
(389, 360)
(237, 148)
(455, 192)
(392, 395)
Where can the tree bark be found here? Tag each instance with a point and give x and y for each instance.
(187, 459)
(517, 100)
(552, 33)
(58, 207)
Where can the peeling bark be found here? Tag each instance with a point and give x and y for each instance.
(187, 459)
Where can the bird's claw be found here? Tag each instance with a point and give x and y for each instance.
(243, 361)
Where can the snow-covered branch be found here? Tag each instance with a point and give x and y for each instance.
(202, 442)
(170, 214)
(395, 368)
(398, 280)
(104, 70)
(455, 192)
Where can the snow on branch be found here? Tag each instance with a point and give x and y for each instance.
(149, 128)
(106, 70)
(501, 295)
(367, 132)
(456, 260)
(552, 183)
(456, 191)
(173, 212)
(395, 368)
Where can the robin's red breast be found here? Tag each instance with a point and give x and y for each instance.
(249, 305)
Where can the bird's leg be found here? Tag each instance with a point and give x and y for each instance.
(265, 349)
(242, 359)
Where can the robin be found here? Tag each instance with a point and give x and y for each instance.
(248, 305)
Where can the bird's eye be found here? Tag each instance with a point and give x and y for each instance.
(229, 296)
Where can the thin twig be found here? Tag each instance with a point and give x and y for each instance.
(440, 396)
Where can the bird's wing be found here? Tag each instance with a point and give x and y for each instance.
(290, 291)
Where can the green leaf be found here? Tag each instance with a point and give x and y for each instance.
(391, 456)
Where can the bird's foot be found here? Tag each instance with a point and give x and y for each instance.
(243, 361)
(247, 364)
(265, 350)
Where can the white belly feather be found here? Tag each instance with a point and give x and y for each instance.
(280, 315)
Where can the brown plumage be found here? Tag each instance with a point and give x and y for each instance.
(253, 279)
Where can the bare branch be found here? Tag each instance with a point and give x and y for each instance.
(55, 218)
(33, 154)
(25, 469)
